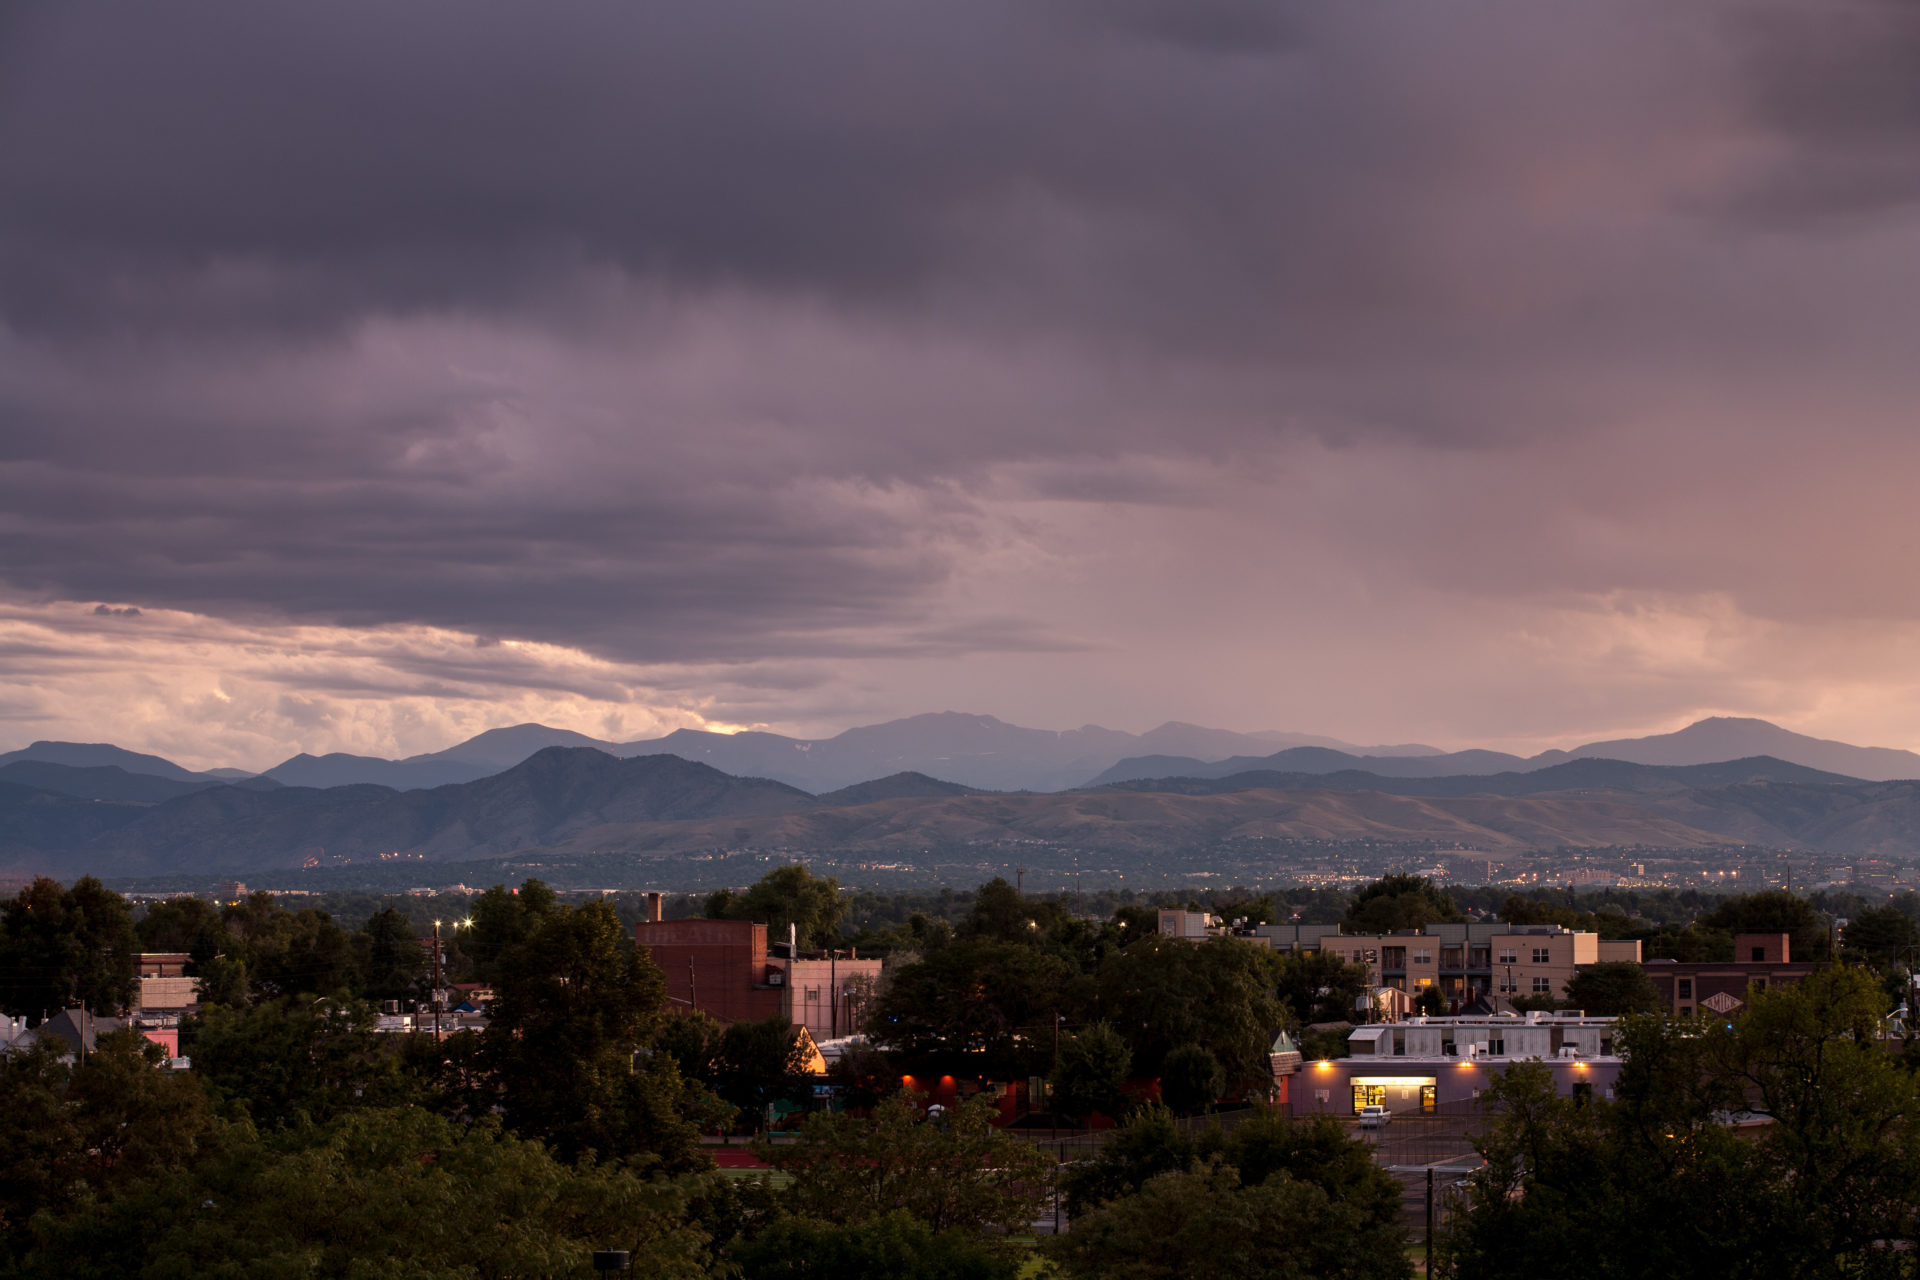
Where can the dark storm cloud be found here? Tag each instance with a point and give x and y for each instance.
(706, 331)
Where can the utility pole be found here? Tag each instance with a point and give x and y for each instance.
(691, 1005)
(1429, 1220)
(833, 992)
(436, 980)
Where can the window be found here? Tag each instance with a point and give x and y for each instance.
(1496, 1048)
(1759, 955)
(1759, 984)
(1423, 957)
(1542, 955)
(1359, 956)
(1686, 988)
(1541, 986)
(1509, 957)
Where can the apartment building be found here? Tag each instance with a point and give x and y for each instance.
(1462, 961)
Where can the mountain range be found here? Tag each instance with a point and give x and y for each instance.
(989, 754)
(1709, 741)
(580, 801)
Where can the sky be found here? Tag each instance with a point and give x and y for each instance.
(1504, 374)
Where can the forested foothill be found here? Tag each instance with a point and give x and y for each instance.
(305, 1140)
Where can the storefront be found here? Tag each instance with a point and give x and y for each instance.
(1402, 1094)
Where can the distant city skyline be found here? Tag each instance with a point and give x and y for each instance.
(1492, 376)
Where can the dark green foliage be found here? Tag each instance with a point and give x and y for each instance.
(1204, 1223)
(1429, 1002)
(1613, 988)
(1094, 1063)
(1774, 911)
(954, 1173)
(896, 1246)
(1399, 902)
(1882, 936)
(1318, 986)
(182, 924)
(1191, 1079)
(501, 921)
(574, 1003)
(289, 953)
(787, 895)
(1279, 1197)
(71, 1134)
(975, 1007)
(61, 947)
(759, 1063)
(377, 1193)
(1161, 993)
(392, 964)
(296, 1059)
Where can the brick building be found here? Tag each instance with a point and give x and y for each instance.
(725, 969)
(1759, 960)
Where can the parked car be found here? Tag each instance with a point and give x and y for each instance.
(1372, 1117)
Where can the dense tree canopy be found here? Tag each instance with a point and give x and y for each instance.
(61, 947)
(1399, 902)
(956, 1172)
(1162, 993)
(1278, 1197)
(1612, 988)
(789, 895)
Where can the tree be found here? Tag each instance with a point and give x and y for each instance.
(1191, 1079)
(1161, 993)
(889, 1247)
(61, 947)
(1266, 1143)
(502, 920)
(1318, 986)
(1399, 902)
(979, 1008)
(289, 953)
(1612, 988)
(294, 1060)
(1428, 1002)
(392, 965)
(760, 1063)
(1093, 1065)
(1773, 911)
(378, 1193)
(1204, 1222)
(69, 1134)
(1880, 936)
(787, 895)
(180, 924)
(574, 1003)
(956, 1173)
